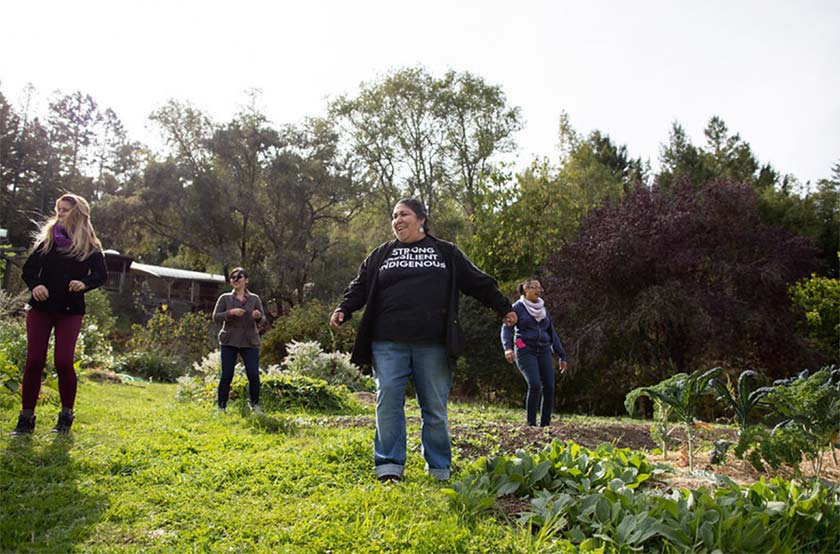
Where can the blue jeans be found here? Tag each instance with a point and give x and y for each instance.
(251, 359)
(537, 366)
(427, 365)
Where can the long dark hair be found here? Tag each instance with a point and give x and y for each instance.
(418, 208)
(525, 283)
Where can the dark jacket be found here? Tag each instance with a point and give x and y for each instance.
(55, 270)
(463, 277)
(240, 332)
(534, 333)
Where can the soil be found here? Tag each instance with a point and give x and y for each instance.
(476, 439)
(471, 440)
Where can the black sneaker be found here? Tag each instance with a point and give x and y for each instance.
(25, 426)
(65, 421)
(390, 478)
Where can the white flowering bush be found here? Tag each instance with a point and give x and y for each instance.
(307, 358)
(281, 389)
(210, 366)
(93, 349)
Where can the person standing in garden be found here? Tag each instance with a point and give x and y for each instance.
(411, 287)
(239, 311)
(531, 343)
(66, 262)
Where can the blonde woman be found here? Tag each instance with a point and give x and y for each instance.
(66, 262)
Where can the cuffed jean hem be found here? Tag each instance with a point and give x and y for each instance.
(439, 474)
(390, 469)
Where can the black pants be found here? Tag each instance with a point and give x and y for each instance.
(537, 366)
(251, 359)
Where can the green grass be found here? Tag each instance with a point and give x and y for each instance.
(144, 473)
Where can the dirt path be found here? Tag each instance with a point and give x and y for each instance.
(483, 438)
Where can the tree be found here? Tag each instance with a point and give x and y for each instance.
(523, 224)
(666, 282)
(309, 188)
(245, 193)
(478, 124)
(417, 135)
(72, 135)
(783, 201)
(724, 156)
(242, 151)
(184, 199)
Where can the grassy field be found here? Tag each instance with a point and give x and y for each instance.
(144, 473)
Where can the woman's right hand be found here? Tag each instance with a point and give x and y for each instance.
(236, 312)
(40, 293)
(509, 356)
(336, 319)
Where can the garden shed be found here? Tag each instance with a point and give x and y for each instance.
(180, 289)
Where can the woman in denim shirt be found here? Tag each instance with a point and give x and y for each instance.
(530, 343)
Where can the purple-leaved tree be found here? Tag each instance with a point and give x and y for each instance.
(676, 280)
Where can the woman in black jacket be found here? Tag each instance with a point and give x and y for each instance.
(410, 330)
(66, 262)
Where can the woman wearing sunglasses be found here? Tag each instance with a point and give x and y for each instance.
(238, 311)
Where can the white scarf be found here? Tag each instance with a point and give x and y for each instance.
(536, 309)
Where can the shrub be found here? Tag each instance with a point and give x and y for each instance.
(289, 392)
(307, 358)
(98, 311)
(819, 299)
(307, 323)
(279, 391)
(11, 305)
(687, 278)
(13, 341)
(93, 349)
(482, 372)
(185, 340)
(809, 408)
(9, 382)
(211, 365)
(151, 365)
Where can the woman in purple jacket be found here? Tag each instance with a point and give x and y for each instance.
(65, 263)
(530, 343)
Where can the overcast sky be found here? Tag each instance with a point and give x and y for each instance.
(768, 68)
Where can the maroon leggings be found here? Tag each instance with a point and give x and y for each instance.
(39, 325)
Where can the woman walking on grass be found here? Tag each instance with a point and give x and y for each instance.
(410, 330)
(531, 343)
(239, 311)
(66, 262)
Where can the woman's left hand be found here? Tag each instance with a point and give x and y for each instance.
(510, 319)
(563, 367)
(76, 286)
(256, 314)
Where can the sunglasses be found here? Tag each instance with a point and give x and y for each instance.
(238, 276)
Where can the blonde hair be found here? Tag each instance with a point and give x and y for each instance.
(84, 241)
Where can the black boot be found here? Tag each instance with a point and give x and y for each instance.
(25, 425)
(65, 421)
